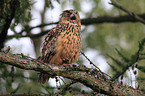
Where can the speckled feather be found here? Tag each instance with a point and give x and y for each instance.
(62, 44)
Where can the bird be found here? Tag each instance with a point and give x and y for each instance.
(62, 44)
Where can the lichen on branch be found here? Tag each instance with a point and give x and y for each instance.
(86, 76)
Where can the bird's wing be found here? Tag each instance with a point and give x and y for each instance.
(48, 46)
(48, 49)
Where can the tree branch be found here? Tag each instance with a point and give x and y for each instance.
(111, 19)
(8, 20)
(133, 15)
(87, 21)
(94, 81)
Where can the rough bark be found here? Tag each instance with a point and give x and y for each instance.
(83, 75)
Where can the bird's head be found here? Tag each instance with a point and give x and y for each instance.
(70, 16)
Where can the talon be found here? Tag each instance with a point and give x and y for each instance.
(66, 61)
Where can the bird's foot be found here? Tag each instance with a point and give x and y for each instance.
(65, 61)
(67, 65)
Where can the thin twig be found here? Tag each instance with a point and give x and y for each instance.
(93, 64)
(135, 58)
(127, 11)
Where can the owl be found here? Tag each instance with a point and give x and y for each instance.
(62, 44)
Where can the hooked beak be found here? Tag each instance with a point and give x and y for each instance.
(73, 17)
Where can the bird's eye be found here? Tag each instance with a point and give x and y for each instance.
(68, 12)
(76, 12)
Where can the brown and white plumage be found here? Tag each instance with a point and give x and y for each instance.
(62, 44)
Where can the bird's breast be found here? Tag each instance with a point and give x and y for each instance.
(69, 44)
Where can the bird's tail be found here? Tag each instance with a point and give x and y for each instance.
(43, 78)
